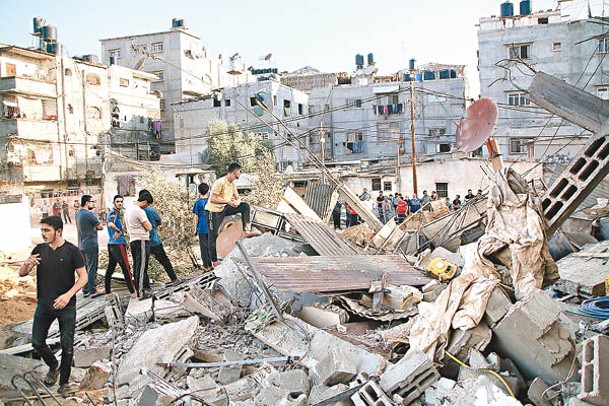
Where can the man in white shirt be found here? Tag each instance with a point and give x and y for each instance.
(139, 227)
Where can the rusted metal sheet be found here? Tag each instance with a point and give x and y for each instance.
(322, 198)
(321, 236)
(326, 274)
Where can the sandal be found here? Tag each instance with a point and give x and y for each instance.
(51, 377)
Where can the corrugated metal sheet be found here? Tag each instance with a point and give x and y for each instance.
(321, 198)
(337, 274)
(321, 236)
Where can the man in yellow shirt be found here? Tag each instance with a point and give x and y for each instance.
(225, 201)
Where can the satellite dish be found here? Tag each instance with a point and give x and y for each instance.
(477, 126)
(264, 100)
(139, 64)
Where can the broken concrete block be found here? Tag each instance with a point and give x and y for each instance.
(410, 376)
(498, 305)
(322, 392)
(167, 310)
(150, 396)
(323, 317)
(371, 394)
(438, 391)
(274, 395)
(230, 373)
(11, 365)
(162, 344)
(295, 381)
(85, 357)
(479, 391)
(139, 311)
(477, 360)
(536, 390)
(532, 335)
(334, 369)
(595, 370)
(96, 376)
(577, 402)
(462, 341)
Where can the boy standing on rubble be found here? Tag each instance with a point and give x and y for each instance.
(117, 247)
(201, 229)
(56, 261)
(225, 201)
(139, 227)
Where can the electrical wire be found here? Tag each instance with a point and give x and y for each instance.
(597, 308)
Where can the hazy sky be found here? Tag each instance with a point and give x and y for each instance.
(322, 34)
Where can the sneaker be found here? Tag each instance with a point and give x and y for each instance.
(146, 295)
(86, 294)
(52, 376)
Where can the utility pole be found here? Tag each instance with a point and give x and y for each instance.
(413, 140)
(190, 138)
(322, 143)
(84, 115)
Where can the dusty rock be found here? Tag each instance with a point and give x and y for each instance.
(334, 369)
(96, 376)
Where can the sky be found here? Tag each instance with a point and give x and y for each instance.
(323, 34)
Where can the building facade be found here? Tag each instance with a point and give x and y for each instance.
(183, 66)
(518, 43)
(238, 105)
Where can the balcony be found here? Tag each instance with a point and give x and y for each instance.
(44, 130)
(27, 86)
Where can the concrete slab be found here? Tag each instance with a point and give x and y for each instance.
(139, 311)
(85, 357)
(295, 381)
(323, 317)
(11, 365)
(229, 374)
(334, 369)
(162, 344)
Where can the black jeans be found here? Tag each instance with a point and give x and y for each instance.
(214, 221)
(43, 318)
(91, 256)
(204, 247)
(159, 253)
(140, 251)
(66, 217)
(117, 254)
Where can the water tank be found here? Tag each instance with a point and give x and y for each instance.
(419, 77)
(49, 33)
(177, 23)
(411, 64)
(429, 75)
(52, 48)
(507, 9)
(445, 74)
(370, 59)
(407, 77)
(453, 73)
(525, 7)
(359, 61)
(39, 22)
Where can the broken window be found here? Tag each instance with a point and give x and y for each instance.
(160, 75)
(518, 99)
(123, 82)
(217, 103)
(355, 142)
(115, 53)
(442, 189)
(518, 145)
(519, 51)
(443, 147)
(376, 184)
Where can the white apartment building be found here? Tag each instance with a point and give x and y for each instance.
(183, 66)
(238, 105)
(56, 111)
(518, 42)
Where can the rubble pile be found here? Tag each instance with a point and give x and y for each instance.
(306, 318)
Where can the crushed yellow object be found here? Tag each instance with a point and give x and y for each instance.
(442, 269)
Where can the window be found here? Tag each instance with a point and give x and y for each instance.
(67, 72)
(517, 145)
(388, 131)
(93, 79)
(443, 148)
(217, 103)
(518, 99)
(387, 186)
(162, 104)
(603, 92)
(300, 183)
(603, 45)
(287, 104)
(519, 51)
(300, 109)
(156, 47)
(160, 76)
(274, 100)
(376, 184)
(253, 101)
(438, 131)
(11, 70)
(70, 109)
(442, 189)
(94, 113)
(354, 103)
(388, 99)
(227, 103)
(123, 82)
(355, 142)
(556, 47)
(115, 53)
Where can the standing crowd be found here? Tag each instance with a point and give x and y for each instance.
(63, 268)
(397, 206)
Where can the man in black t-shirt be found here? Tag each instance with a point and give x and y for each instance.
(56, 261)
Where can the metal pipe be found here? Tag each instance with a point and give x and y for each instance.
(287, 359)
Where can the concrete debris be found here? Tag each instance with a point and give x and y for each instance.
(536, 391)
(85, 357)
(323, 317)
(12, 365)
(462, 341)
(595, 370)
(410, 376)
(334, 369)
(168, 310)
(479, 391)
(583, 273)
(162, 344)
(275, 396)
(295, 381)
(438, 391)
(232, 373)
(432, 290)
(139, 311)
(531, 334)
(322, 392)
(498, 305)
(151, 396)
(96, 376)
(370, 393)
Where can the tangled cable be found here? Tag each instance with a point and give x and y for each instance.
(597, 307)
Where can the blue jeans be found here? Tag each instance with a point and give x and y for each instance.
(91, 259)
(44, 316)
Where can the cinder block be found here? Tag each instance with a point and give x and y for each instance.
(498, 305)
(295, 381)
(595, 370)
(333, 369)
(410, 376)
(371, 395)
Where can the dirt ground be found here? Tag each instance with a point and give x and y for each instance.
(17, 299)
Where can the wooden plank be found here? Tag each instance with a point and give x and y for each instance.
(569, 102)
